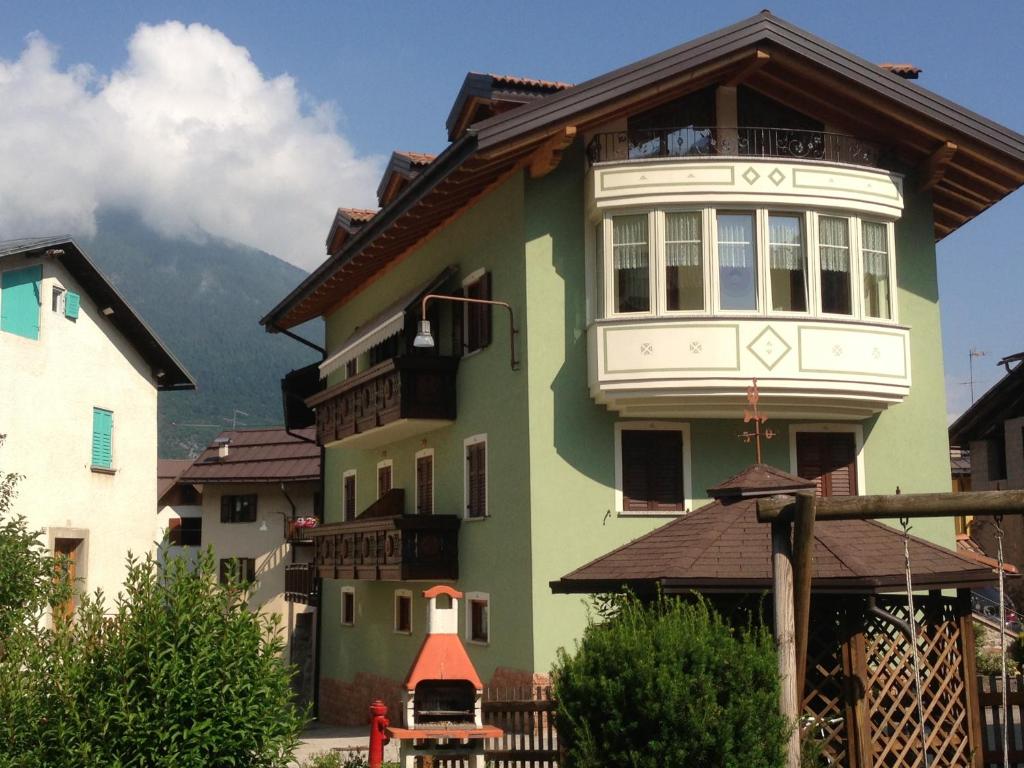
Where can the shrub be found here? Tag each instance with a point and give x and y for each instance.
(179, 673)
(669, 684)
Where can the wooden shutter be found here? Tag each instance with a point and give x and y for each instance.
(383, 480)
(830, 460)
(478, 325)
(102, 429)
(20, 300)
(72, 302)
(349, 512)
(174, 531)
(458, 320)
(425, 485)
(476, 480)
(652, 471)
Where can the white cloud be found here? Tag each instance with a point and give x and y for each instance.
(188, 133)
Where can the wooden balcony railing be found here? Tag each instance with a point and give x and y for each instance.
(411, 387)
(380, 545)
(301, 583)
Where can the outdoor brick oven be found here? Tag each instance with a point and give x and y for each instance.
(442, 695)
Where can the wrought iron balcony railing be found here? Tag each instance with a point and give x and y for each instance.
(301, 583)
(381, 544)
(697, 141)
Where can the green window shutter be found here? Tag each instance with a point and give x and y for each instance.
(19, 301)
(102, 429)
(72, 301)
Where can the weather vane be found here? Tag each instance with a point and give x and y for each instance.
(752, 415)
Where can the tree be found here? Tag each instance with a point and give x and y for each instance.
(669, 684)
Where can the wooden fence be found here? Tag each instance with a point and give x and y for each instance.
(993, 719)
(527, 715)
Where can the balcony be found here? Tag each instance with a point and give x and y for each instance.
(696, 141)
(301, 583)
(396, 399)
(382, 544)
(701, 367)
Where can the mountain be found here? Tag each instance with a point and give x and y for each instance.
(205, 299)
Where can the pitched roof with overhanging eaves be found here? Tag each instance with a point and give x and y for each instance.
(402, 168)
(482, 96)
(981, 161)
(167, 473)
(168, 373)
(722, 548)
(268, 455)
(984, 419)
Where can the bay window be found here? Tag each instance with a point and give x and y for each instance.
(684, 261)
(874, 241)
(787, 263)
(834, 254)
(631, 257)
(737, 262)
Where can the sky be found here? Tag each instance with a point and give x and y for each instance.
(254, 121)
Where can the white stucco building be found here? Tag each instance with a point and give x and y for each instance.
(79, 377)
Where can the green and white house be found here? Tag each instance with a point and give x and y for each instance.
(753, 204)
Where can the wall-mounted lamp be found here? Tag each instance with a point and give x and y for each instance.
(425, 339)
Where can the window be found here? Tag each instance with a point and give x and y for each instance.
(350, 368)
(737, 261)
(652, 467)
(477, 317)
(384, 477)
(57, 300)
(476, 477)
(102, 438)
(425, 482)
(20, 299)
(630, 263)
(348, 606)
(403, 611)
(788, 263)
(240, 569)
(834, 253)
(72, 303)
(478, 617)
(829, 459)
(348, 495)
(684, 262)
(874, 246)
(238, 509)
(185, 531)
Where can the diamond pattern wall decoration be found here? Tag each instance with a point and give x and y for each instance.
(769, 347)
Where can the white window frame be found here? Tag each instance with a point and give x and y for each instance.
(764, 224)
(660, 259)
(856, 430)
(401, 594)
(345, 513)
(422, 454)
(376, 475)
(890, 233)
(341, 618)
(609, 261)
(473, 440)
(642, 425)
(478, 597)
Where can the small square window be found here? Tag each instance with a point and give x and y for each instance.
(403, 611)
(243, 569)
(348, 606)
(57, 300)
(185, 531)
(238, 509)
(651, 467)
(478, 617)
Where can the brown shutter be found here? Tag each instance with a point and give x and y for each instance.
(349, 512)
(810, 461)
(476, 460)
(425, 485)
(458, 315)
(484, 292)
(842, 464)
(634, 472)
(383, 480)
(652, 471)
(174, 531)
(830, 460)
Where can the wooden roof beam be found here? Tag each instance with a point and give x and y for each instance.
(934, 168)
(760, 59)
(547, 158)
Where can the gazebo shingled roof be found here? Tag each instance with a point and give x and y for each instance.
(722, 548)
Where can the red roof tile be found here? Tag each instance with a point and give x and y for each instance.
(907, 71)
(361, 215)
(528, 82)
(258, 456)
(417, 158)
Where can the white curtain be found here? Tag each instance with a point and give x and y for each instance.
(834, 243)
(785, 243)
(735, 242)
(629, 241)
(682, 239)
(875, 247)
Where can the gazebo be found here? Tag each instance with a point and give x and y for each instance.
(859, 693)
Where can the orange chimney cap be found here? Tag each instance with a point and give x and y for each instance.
(442, 589)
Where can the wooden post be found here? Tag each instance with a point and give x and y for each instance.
(803, 570)
(782, 577)
(970, 673)
(909, 505)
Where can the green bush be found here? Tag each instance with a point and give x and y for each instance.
(670, 684)
(178, 672)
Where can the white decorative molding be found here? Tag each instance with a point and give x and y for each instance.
(710, 181)
(805, 368)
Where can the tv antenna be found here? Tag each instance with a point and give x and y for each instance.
(973, 353)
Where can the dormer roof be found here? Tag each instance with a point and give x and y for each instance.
(346, 222)
(485, 95)
(402, 168)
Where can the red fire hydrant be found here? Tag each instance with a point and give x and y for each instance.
(378, 724)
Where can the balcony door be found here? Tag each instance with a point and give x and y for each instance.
(830, 460)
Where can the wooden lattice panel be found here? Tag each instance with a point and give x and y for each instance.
(892, 703)
(824, 700)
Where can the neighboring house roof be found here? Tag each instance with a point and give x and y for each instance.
(722, 547)
(967, 161)
(482, 96)
(167, 473)
(168, 373)
(258, 456)
(402, 168)
(1004, 400)
(972, 550)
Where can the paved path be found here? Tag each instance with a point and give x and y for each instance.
(326, 738)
